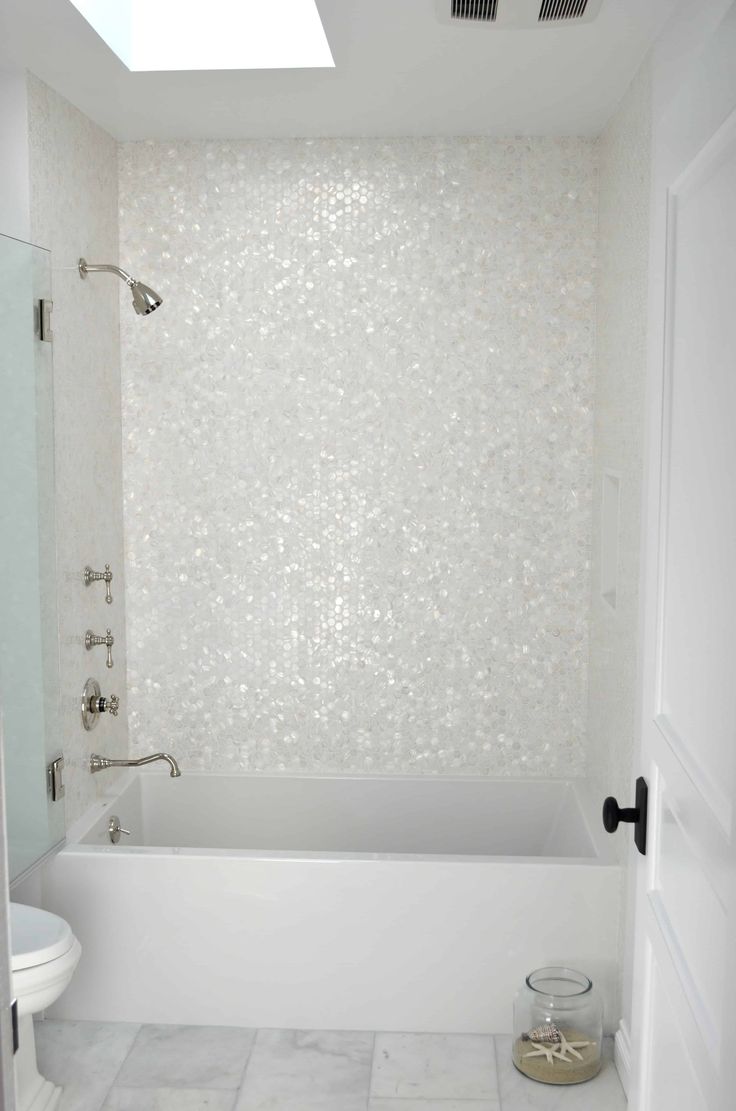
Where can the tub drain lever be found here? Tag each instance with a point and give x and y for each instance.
(114, 829)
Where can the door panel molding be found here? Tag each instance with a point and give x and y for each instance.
(684, 966)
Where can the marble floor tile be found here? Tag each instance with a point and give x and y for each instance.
(294, 1070)
(434, 1067)
(87, 1097)
(123, 1067)
(303, 1103)
(433, 1105)
(169, 1099)
(187, 1057)
(82, 1054)
(519, 1093)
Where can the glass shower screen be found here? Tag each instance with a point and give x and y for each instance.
(29, 663)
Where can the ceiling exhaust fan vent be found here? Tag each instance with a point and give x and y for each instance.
(553, 11)
(517, 14)
(484, 11)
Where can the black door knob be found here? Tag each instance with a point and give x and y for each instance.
(613, 814)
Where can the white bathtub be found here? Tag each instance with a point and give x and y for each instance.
(332, 903)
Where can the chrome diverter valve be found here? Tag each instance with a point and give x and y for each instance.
(95, 703)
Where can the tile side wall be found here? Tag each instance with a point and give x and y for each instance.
(74, 195)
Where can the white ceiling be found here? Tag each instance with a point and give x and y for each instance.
(399, 70)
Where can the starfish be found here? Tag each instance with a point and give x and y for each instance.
(566, 1047)
(559, 1050)
(548, 1051)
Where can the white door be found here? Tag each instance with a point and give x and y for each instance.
(685, 965)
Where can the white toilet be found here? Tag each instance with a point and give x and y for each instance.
(44, 955)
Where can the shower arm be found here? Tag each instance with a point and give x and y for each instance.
(86, 268)
(145, 299)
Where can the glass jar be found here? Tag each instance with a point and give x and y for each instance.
(558, 1027)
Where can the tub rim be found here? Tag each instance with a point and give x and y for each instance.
(604, 854)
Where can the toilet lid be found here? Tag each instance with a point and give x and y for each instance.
(36, 936)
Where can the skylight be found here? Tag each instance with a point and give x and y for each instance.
(210, 34)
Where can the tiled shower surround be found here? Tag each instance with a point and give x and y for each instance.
(357, 453)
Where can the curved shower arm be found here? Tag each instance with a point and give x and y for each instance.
(89, 268)
(145, 299)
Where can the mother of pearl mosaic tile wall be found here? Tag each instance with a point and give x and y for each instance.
(357, 453)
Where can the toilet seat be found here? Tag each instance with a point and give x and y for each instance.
(37, 937)
(44, 955)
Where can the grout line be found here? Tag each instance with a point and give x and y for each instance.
(498, 1074)
(125, 1058)
(369, 1092)
(105, 1097)
(373, 1064)
(247, 1062)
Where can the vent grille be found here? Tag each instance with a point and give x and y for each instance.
(552, 10)
(527, 14)
(482, 10)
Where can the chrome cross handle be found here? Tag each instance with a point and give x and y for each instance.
(105, 576)
(109, 705)
(90, 640)
(94, 703)
(99, 704)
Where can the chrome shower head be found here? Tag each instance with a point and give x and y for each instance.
(145, 300)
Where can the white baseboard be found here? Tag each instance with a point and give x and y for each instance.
(622, 1055)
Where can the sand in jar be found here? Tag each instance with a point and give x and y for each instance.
(539, 1061)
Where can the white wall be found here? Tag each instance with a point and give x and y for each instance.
(357, 451)
(14, 186)
(621, 360)
(621, 352)
(73, 207)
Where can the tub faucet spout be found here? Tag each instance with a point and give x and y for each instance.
(99, 763)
